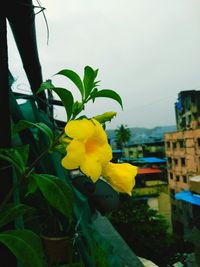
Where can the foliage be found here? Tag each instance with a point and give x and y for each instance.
(55, 195)
(123, 135)
(144, 230)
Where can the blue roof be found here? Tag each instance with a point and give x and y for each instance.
(146, 160)
(117, 150)
(152, 160)
(188, 197)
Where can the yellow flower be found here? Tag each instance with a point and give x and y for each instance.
(89, 149)
(121, 176)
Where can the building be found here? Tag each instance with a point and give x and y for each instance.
(151, 186)
(154, 148)
(183, 162)
(187, 110)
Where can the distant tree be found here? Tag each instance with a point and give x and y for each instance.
(144, 230)
(122, 135)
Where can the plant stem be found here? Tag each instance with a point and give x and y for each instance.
(11, 191)
(28, 170)
(35, 161)
(15, 186)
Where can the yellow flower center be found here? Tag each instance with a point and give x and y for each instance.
(91, 146)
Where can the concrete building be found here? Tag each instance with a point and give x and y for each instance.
(183, 162)
(145, 149)
(151, 186)
(187, 110)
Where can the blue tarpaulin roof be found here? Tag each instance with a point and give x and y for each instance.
(188, 197)
(152, 160)
(146, 160)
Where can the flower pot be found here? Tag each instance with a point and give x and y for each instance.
(58, 250)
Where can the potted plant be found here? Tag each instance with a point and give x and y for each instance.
(83, 145)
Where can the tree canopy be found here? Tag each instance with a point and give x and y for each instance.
(122, 135)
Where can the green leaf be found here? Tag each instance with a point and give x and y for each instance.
(74, 77)
(17, 156)
(88, 80)
(56, 192)
(23, 124)
(66, 98)
(65, 95)
(12, 211)
(109, 94)
(77, 108)
(32, 186)
(25, 245)
(45, 85)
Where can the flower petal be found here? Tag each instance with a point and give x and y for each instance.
(120, 176)
(99, 133)
(92, 168)
(105, 154)
(80, 129)
(75, 155)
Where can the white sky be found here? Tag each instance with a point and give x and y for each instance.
(146, 50)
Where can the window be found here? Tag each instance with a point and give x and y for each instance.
(177, 178)
(181, 143)
(175, 162)
(174, 145)
(198, 142)
(171, 175)
(168, 144)
(169, 161)
(182, 161)
(184, 179)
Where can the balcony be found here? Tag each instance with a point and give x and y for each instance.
(195, 184)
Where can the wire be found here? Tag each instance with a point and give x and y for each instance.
(45, 19)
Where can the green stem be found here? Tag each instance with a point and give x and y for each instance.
(11, 191)
(15, 186)
(28, 170)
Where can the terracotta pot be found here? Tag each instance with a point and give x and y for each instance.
(58, 249)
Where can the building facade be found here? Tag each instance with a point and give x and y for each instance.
(182, 149)
(145, 149)
(187, 110)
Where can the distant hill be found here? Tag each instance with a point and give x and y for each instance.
(140, 134)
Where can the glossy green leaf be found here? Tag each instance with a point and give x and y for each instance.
(109, 94)
(11, 211)
(89, 80)
(74, 77)
(77, 108)
(56, 192)
(66, 98)
(26, 246)
(23, 124)
(32, 186)
(45, 85)
(17, 156)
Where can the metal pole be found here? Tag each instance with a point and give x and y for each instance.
(5, 133)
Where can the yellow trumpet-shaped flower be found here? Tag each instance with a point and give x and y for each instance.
(121, 176)
(89, 149)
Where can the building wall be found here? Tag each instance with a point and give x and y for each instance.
(187, 110)
(156, 149)
(183, 157)
(183, 161)
(158, 198)
(164, 207)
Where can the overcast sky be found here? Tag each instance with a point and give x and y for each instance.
(146, 50)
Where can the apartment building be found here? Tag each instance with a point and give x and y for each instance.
(183, 161)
